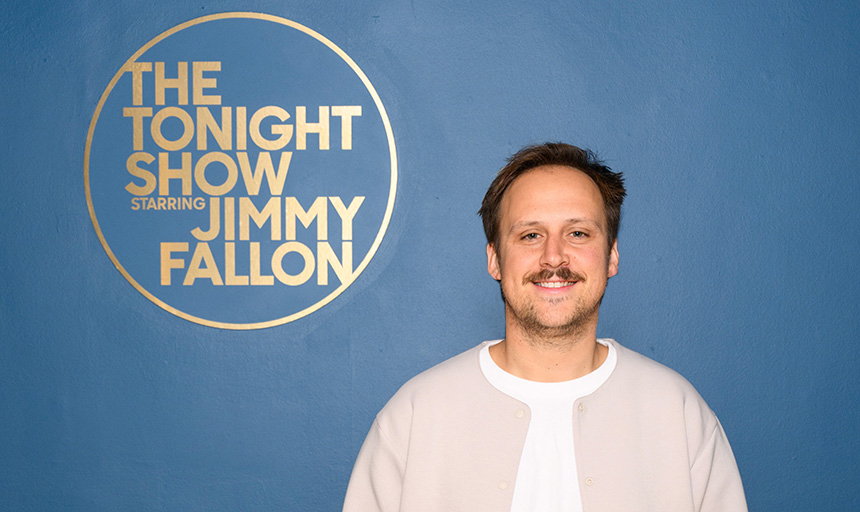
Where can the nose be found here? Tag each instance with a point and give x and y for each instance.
(554, 253)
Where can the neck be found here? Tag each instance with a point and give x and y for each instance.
(545, 358)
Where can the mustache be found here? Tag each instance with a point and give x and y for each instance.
(546, 274)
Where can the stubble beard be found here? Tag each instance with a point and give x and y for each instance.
(536, 330)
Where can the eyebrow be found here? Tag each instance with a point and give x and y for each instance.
(578, 220)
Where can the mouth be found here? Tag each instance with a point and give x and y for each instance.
(554, 284)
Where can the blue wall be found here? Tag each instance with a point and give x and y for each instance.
(737, 128)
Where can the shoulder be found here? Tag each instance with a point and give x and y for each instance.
(441, 383)
(635, 367)
(651, 384)
(440, 402)
(465, 365)
(653, 437)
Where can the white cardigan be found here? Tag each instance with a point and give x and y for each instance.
(449, 441)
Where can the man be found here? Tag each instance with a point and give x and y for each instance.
(549, 418)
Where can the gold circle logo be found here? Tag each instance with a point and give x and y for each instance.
(240, 170)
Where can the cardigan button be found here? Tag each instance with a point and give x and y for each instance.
(589, 481)
(581, 408)
(503, 485)
(520, 413)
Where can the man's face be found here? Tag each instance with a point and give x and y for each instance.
(553, 258)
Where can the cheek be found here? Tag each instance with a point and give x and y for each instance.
(518, 262)
(592, 257)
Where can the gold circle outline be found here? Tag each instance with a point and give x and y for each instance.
(391, 149)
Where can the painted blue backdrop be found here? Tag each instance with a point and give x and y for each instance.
(737, 127)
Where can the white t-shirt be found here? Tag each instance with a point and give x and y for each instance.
(546, 478)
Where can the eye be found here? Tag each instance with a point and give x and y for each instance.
(531, 236)
(578, 234)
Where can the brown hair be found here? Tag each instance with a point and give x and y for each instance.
(610, 184)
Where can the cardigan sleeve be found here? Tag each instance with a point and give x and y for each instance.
(715, 478)
(377, 478)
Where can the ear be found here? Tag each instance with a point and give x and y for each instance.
(493, 263)
(613, 260)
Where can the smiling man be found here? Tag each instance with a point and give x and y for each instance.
(549, 418)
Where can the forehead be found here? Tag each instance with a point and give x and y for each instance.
(550, 193)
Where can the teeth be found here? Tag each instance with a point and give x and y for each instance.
(554, 284)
